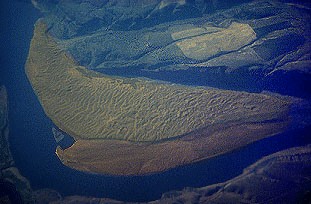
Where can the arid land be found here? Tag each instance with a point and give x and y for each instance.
(130, 126)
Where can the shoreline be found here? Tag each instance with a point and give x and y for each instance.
(173, 120)
(122, 158)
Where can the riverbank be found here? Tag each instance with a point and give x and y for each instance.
(33, 145)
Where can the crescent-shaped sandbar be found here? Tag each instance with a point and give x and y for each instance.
(153, 119)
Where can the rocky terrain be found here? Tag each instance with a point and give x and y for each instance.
(263, 44)
(91, 64)
(14, 188)
(241, 45)
(93, 106)
(283, 177)
(87, 62)
(278, 178)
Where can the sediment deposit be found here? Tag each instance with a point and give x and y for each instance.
(128, 158)
(96, 109)
(89, 105)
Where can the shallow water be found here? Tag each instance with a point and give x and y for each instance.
(33, 145)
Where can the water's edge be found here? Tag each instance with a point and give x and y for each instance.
(33, 145)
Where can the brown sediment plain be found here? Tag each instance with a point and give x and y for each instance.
(136, 126)
(128, 158)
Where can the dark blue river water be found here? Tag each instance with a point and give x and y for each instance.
(33, 145)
